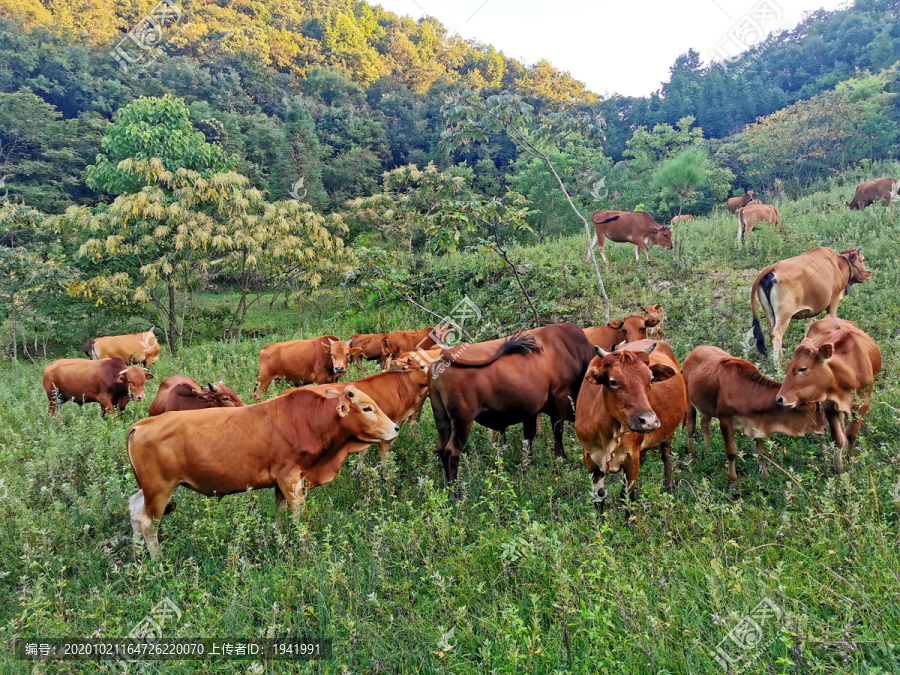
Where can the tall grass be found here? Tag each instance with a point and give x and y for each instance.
(520, 567)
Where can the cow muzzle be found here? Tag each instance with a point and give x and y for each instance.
(783, 402)
(140, 397)
(644, 422)
(339, 369)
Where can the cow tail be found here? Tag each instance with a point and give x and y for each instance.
(88, 347)
(741, 223)
(171, 505)
(523, 343)
(757, 329)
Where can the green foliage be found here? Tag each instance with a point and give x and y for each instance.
(154, 128)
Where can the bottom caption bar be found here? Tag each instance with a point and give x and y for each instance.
(149, 649)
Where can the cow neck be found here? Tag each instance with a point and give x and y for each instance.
(851, 268)
(329, 434)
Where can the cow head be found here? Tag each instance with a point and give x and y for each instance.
(134, 377)
(218, 395)
(660, 235)
(626, 377)
(751, 194)
(340, 354)
(857, 263)
(808, 377)
(635, 327)
(386, 355)
(361, 417)
(653, 315)
(439, 332)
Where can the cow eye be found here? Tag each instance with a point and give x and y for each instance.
(643, 330)
(226, 398)
(368, 408)
(802, 370)
(613, 384)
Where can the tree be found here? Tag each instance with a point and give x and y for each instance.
(154, 128)
(682, 175)
(471, 118)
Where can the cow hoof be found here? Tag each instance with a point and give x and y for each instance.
(733, 485)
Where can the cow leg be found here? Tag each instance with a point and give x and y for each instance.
(280, 506)
(383, 449)
(359, 463)
(598, 489)
(838, 434)
(600, 243)
(262, 386)
(705, 422)
(690, 426)
(458, 437)
(146, 513)
(293, 488)
(529, 431)
(778, 332)
(761, 458)
(665, 449)
(730, 451)
(631, 467)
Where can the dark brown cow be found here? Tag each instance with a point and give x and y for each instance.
(401, 341)
(292, 443)
(182, 393)
(836, 365)
(505, 382)
(109, 382)
(733, 391)
(135, 348)
(366, 346)
(874, 191)
(736, 203)
(803, 287)
(620, 416)
(320, 360)
(635, 227)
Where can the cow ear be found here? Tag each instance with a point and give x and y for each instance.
(654, 230)
(147, 374)
(826, 351)
(326, 346)
(121, 377)
(661, 372)
(616, 325)
(595, 376)
(332, 393)
(343, 408)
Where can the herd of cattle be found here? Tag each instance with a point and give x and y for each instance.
(620, 383)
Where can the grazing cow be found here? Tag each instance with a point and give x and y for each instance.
(873, 191)
(736, 203)
(505, 382)
(685, 218)
(836, 365)
(635, 227)
(109, 382)
(293, 442)
(366, 346)
(654, 319)
(752, 215)
(400, 393)
(802, 288)
(182, 393)
(401, 341)
(320, 360)
(743, 400)
(135, 348)
(620, 416)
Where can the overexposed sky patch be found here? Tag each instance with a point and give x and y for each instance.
(614, 46)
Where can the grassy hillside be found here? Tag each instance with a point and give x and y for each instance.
(520, 567)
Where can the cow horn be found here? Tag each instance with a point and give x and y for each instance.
(858, 249)
(213, 388)
(123, 371)
(649, 348)
(221, 380)
(602, 353)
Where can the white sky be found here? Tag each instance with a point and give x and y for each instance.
(613, 46)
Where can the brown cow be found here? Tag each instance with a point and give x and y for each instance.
(736, 203)
(654, 319)
(752, 215)
(803, 287)
(837, 365)
(109, 382)
(873, 191)
(293, 442)
(684, 218)
(742, 399)
(366, 346)
(135, 348)
(321, 360)
(620, 416)
(505, 382)
(401, 341)
(182, 393)
(636, 227)
(608, 336)
(399, 393)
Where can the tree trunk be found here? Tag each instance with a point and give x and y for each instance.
(15, 345)
(173, 321)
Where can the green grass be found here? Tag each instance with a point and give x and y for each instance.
(520, 566)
